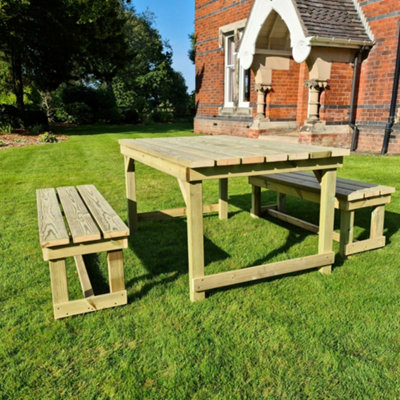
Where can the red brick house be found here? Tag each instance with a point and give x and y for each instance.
(323, 68)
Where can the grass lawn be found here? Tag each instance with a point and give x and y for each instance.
(296, 337)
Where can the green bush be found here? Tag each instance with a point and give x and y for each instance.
(35, 117)
(86, 105)
(10, 116)
(6, 128)
(48, 137)
(36, 129)
(1, 143)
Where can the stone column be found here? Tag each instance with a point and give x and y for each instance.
(262, 89)
(315, 88)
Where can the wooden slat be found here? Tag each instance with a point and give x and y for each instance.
(178, 157)
(83, 248)
(344, 189)
(308, 226)
(107, 219)
(58, 279)
(245, 155)
(80, 222)
(223, 199)
(115, 271)
(174, 212)
(52, 231)
(271, 155)
(198, 149)
(262, 271)
(84, 279)
(90, 304)
(365, 245)
(259, 169)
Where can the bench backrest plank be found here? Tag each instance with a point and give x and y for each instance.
(80, 222)
(52, 230)
(107, 219)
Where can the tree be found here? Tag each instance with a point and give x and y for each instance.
(192, 50)
(148, 83)
(49, 42)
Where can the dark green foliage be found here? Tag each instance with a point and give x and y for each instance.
(148, 84)
(49, 42)
(35, 117)
(10, 115)
(192, 50)
(88, 105)
(47, 137)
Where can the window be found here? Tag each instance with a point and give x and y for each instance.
(244, 88)
(230, 61)
(243, 77)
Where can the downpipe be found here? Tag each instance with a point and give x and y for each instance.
(352, 117)
(392, 113)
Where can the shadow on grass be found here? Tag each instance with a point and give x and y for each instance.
(98, 280)
(162, 248)
(156, 129)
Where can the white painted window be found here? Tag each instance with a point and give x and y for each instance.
(230, 76)
(230, 57)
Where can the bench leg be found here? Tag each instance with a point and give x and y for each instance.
(195, 236)
(58, 278)
(281, 202)
(327, 214)
(377, 222)
(116, 271)
(130, 183)
(255, 201)
(223, 198)
(346, 230)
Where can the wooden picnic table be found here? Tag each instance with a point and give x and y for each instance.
(194, 159)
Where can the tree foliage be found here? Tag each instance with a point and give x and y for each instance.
(101, 50)
(148, 84)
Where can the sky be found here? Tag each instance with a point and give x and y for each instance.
(174, 19)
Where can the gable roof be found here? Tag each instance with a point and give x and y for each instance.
(332, 19)
(329, 23)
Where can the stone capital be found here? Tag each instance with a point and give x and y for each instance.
(316, 84)
(262, 87)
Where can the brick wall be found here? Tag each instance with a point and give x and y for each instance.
(374, 92)
(377, 72)
(210, 15)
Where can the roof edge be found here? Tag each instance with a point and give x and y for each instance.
(364, 21)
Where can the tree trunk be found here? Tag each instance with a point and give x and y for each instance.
(17, 80)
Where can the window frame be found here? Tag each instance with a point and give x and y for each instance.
(228, 85)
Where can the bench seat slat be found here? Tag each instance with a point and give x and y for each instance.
(346, 189)
(80, 222)
(52, 230)
(107, 219)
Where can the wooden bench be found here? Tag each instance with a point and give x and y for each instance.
(350, 196)
(90, 226)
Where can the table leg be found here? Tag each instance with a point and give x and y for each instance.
(130, 182)
(223, 198)
(195, 234)
(255, 211)
(346, 230)
(327, 214)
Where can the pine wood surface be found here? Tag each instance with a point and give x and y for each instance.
(208, 151)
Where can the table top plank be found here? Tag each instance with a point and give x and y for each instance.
(275, 151)
(198, 149)
(221, 150)
(181, 158)
(52, 230)
(81, 224)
